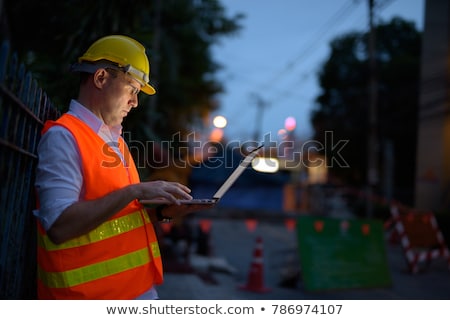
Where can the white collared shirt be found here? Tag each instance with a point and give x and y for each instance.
(59, 178)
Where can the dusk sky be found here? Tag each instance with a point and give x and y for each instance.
(276, 56)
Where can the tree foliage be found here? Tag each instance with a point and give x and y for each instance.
(49, 35)
(178, 35)
(343, 105)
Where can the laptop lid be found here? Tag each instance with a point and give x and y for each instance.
(236, 173)
(223, 188)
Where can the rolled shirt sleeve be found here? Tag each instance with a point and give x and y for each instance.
(59, 180)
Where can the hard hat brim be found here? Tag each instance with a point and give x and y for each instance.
(148, 89)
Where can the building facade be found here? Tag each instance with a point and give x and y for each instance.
(432, 190)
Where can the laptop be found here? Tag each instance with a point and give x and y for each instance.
(223, 188)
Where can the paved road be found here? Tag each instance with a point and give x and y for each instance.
(219, 274)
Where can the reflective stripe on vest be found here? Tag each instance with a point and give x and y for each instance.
(96, 271)
(106, 230)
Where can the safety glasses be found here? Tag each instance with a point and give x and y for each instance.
(136, 74)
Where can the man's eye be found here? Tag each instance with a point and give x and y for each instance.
(134, 90)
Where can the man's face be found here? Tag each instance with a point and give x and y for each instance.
(120, 96)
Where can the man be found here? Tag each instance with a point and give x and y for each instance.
(95, 239)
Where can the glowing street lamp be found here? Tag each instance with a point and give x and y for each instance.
(266, 165)
(290, 123)
(220, 122)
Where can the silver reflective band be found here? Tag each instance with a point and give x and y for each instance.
(138, 75)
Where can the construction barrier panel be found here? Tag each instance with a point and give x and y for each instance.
(342, 253)
(420, 236)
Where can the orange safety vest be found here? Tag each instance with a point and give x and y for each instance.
(120, 259)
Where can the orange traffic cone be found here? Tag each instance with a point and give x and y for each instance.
(255, 280)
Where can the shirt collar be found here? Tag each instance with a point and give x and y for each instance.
(88, 117)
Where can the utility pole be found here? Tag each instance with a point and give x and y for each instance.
(260, 106)
(372, 143)
(155, 58)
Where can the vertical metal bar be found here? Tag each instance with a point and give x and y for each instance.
(23, 109)
(372, 141)
(4, 54)
(4, 115)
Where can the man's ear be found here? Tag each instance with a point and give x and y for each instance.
(100, 77)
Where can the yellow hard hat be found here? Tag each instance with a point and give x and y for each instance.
(126, 53)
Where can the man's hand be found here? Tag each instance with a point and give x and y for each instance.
(171, 191)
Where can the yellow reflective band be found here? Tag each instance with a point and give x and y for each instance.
(106, 230)
(155, 249)
(95, 271)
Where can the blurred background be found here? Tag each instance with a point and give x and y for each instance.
(350, 98)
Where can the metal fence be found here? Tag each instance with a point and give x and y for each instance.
(23, 109)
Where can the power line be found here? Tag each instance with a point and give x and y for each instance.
(309, 48)
(342, 13)
(316, 40)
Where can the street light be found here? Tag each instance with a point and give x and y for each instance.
(220, 122)
(266, 165)
(290, 124)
